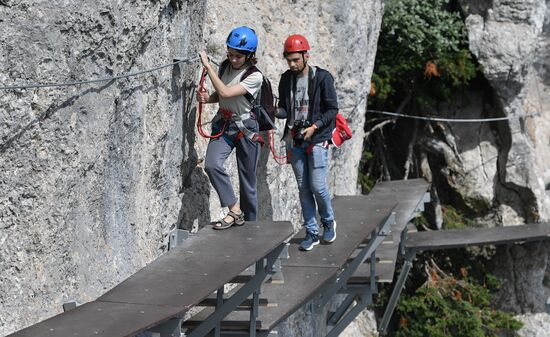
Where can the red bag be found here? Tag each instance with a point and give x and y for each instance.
(341, 132)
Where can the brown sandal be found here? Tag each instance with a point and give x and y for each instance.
(238, 220)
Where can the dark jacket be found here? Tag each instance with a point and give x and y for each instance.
(323, 102)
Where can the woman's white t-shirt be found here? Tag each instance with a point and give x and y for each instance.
(252, 84)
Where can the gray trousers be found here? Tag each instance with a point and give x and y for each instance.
(248, 153)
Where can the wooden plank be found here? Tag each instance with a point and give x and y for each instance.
(384, 273)
(446, 239)
(385, 252)
(386, 256)
(301, 284)
(393, 185)
(100, 319)
(264, 302)
(235, 321)
(211, 300)
(407, 193)
(357, 217)
(200, 265)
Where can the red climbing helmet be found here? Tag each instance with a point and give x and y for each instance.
(295, 44)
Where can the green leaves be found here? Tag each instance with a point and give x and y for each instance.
(446, 306)
(416, 34)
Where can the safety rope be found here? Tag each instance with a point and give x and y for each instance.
(456, 120)
(281, 160)
(199, 117)
(106, 79)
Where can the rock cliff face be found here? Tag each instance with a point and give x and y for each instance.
(90, 175)
(510, 40)
(93, 177)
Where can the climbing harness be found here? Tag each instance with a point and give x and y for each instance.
(228, 116)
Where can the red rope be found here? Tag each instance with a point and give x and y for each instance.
(199, 117)
(281, 160)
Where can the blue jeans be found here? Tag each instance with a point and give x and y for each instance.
(311, 174)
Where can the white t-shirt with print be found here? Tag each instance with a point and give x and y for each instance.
(301, 98)
(252, 84)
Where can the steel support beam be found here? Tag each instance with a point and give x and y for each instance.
(219, 303)
(335, 316)
(409, 257)
(176, 237)
(352, 266)
(242, 294)
(362, 302)
(170, 328)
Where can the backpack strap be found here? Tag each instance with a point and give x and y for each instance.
(222, 67)
(249, 71)
(236, 118)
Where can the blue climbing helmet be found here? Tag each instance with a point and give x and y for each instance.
(242, 38)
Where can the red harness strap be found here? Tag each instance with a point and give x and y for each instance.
(309, 149)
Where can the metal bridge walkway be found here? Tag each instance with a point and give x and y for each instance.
(160, 298)
(157, 296)
(369, 232)
(414, 243)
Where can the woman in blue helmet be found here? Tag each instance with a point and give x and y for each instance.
(235, 96)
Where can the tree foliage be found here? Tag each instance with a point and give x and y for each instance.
(459, 307)
(422, 51)
(422, 60)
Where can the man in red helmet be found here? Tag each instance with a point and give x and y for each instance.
(308, 101)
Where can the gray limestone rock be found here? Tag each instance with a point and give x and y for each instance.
(90, 175)
(510, 40)
(94, 176)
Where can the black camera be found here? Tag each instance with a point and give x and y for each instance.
(297, 128)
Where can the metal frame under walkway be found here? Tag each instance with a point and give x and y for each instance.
(156, 298)
(369, 233)
(248, 279)
(458, 238)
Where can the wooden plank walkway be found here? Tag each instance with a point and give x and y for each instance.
(458, 238)
(410, 196)
(170, 285)
(188, 275)
(305, 273)
(358, 217)
(455, 238)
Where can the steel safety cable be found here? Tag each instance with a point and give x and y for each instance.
(456, 120)
(106, 79)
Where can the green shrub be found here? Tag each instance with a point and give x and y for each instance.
(452, 219)
(445, 306)
(454, 300)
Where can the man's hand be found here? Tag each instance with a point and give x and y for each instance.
(308, 132)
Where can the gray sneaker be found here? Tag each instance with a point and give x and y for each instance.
(329, 232)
